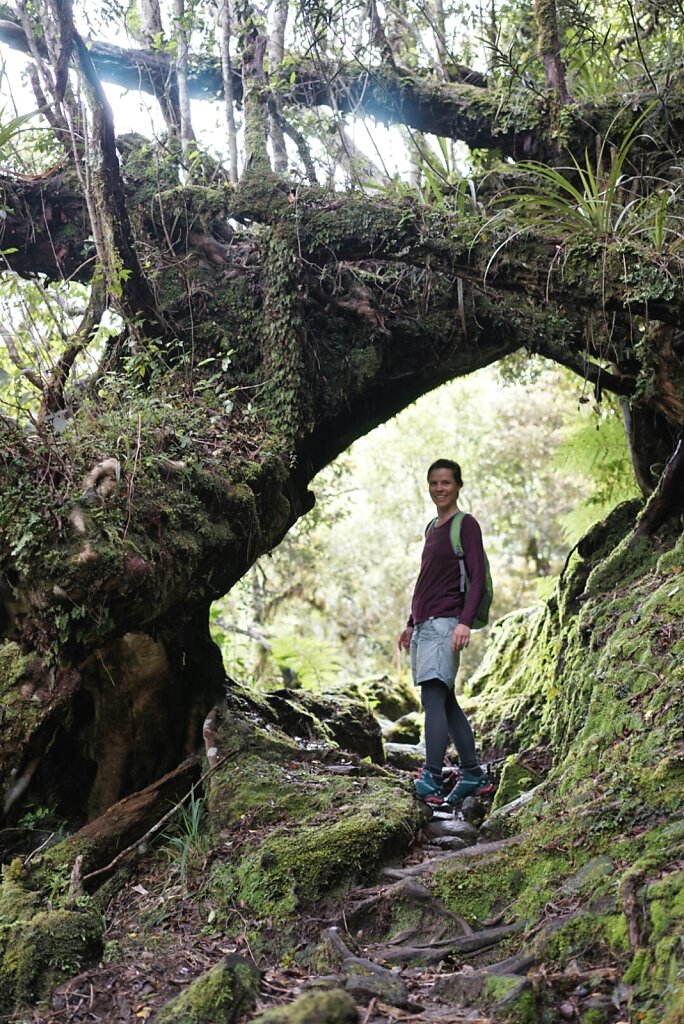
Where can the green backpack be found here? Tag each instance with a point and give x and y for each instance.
(482, 614)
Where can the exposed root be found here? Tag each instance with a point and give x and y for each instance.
(406, 888)
(434, 952)
(469, 852)
(634, 914)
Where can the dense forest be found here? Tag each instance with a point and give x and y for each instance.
(235, 239)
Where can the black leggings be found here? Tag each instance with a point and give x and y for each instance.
(444, 718)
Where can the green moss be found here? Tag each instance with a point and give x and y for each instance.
(514, 780)
(510, 999)
(590, 938)
(292, 871)
(407, 729)
(141, 546)
(388, 696)
(225, 993)
(327, 831)
(17, 902)
(14, 666)
(325, 1007)
(515, 682)
(656, 967)
(518, 881)
(40, 953)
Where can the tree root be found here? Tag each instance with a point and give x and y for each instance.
(436, 951)
(469, 852)
(433, 919)
(634, 913)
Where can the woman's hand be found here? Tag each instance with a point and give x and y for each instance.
(404, 641)
(460, 638)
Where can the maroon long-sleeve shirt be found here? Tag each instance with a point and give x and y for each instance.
(437, 593)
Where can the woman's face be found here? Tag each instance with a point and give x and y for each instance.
(443, 489)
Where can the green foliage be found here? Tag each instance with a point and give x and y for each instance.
(9, 130)
(595, 451)
(40, 316)
(314, 663)
(186, 840)
(595, 198)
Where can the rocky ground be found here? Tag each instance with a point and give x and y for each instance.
(159, 938)
(161, 935)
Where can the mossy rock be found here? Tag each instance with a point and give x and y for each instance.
(407, 729)
(334, 1006)
(329, 853)
(407, 757)
(330, 825)
(656, 965)
(348, 721)
(515, 779)
(224, 993)
(512, 686)
(43, 951)
(39, 948)
(390, 697)
(17, 902)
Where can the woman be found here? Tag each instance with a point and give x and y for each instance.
(438, 630)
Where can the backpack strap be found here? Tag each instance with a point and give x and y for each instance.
(430, 525)
(455, 535)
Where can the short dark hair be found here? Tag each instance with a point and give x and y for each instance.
(447, 464)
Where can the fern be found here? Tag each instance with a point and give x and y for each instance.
(595, 448)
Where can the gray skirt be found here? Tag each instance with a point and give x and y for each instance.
(431, 653)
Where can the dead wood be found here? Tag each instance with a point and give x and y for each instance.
(634, 913)
(668, 498)
(481, 850)
(125, 825)
(434, 952)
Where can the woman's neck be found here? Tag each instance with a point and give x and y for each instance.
(443, 517)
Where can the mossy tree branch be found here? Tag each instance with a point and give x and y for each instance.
(480, 116)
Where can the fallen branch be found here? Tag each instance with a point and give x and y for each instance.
(151, 832)
(469, 852)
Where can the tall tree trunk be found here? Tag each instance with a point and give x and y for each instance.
(548, 39)
(224, 30)
(276, 51)
(181, 32)
(165, 84)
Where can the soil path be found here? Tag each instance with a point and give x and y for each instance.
(159, 938)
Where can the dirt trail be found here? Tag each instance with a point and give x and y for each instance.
(158, 941)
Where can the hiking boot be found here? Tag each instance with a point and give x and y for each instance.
(429, 787)
(472, 782)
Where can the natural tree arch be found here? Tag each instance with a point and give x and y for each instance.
(264, 326)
